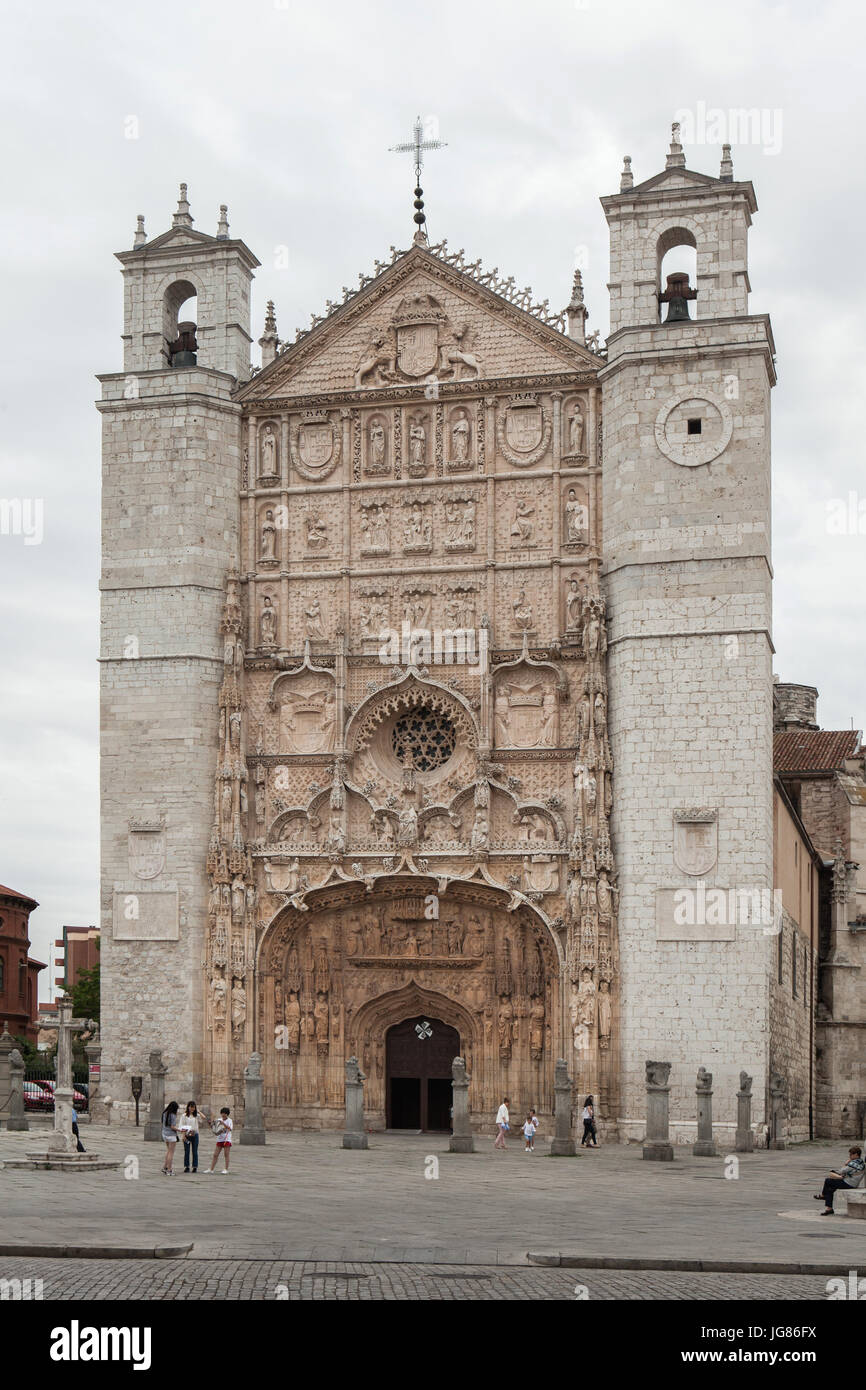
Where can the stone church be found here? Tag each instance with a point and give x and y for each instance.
(436, 677)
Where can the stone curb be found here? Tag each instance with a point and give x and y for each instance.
(97, 1252)
(685, 1265)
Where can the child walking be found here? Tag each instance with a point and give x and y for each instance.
(529, 1132)
(222, 1128)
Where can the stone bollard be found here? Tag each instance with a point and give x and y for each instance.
(745, 1140)
(7, 1045)
(93, 1052)
(657, 1145)
(778, 1090)
(253, 1131)
(354, 1135)
(705, 1148)
(158, 1072)
(562, 1143)
(17, 1114)
(462, 1141)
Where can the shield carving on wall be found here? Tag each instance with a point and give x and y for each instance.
(418, 348)
(523, 427)
(696, 841)
(147, 851)
(316, 444)
(307, 726)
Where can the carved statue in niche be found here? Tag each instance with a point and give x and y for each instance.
(536, 1030)
(576, 519)
(269, 539)
(417, 462)
(473, 944)
(314, 621)
(573, 606)
(604, 1014)
(549, 720)
(575, 431)
(293, 971)
(480, 840)
(268, 623)
(460, 441)
(371, 937)
(218, 1003)
(293, 1023)
(536, 975)
(501, 717)
(377, 452)
(239, 1009)
(354, 940)
(261, 791)
(455, 939)
(407, 834)
(600, 718)
(505, 1026)
(594, 632)
(417, 530)
(585, 1005)
(321, 1021)
(269, 453)
(317, 532)
(522, 611)
(226, 804)
(522, 524)
(374, 524)
(238, 898)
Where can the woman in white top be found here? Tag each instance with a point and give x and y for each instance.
(189, 1133)
(590, 1139)
(502, 1124)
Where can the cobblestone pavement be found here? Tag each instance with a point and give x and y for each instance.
(316, 1281)
(407, 1200)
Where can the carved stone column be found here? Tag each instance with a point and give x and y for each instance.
(462, 1141)
(745, 1140)
(354, 1136)
(705, 1148)
(562, 1143)
(17, 1114)
(158, 1071)
(778, 1091)
(253, 1131)
(657, 1145)
(7, 1046)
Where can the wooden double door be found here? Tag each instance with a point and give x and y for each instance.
(419, 1052)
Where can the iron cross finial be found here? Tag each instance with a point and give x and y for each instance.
(424, 137)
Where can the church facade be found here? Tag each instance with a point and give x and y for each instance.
(436, 680)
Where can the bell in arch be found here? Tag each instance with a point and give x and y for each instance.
(677, 296)
(182, 352)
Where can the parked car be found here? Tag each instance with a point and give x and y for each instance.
(79, 1100)
(37, 1096)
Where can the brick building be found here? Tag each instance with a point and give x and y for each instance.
(76, 950)
(19, 972)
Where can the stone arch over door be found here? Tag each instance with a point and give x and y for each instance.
(333, 977)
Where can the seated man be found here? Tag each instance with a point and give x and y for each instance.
(850, 1176)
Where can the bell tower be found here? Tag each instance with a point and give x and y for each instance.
(686, 485)
(171, 475)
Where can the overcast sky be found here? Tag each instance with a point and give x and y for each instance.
(285, 111)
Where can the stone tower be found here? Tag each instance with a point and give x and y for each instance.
(687, 572)
(170, 480)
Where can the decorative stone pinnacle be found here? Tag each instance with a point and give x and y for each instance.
(676, 159)
(576, 291)
(182, 217)
(726, 169)
(223, 223)
(140, 234)
(626, 178)
(270, 318)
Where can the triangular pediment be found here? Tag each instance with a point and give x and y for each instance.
(420, 319)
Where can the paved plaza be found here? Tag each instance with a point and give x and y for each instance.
(302, 1201)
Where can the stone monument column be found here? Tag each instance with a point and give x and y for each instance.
(778, 1090)
(705, 1148)
(93, 1052)
(562, 1143)
(657, 1145)
(7, 1046)
(158, 1071)
(354, 1136)
(17, 1114)
(745, 1140)
(253, 1131)
(462, 1141)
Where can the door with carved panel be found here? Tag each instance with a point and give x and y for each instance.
(419, 1053)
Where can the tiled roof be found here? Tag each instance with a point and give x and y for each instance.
(22, 897)
(814, 750)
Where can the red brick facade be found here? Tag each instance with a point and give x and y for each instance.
(19, 974)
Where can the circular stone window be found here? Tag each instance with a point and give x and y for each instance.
(423, 739)
(693, 428)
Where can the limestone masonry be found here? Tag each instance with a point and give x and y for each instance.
(436, 682)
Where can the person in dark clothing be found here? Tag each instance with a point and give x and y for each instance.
(590, 1137)
(849, 1176)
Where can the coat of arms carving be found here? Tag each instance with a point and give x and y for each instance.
(696, 840)
(315, 444)
(146, 848)
(416, 323)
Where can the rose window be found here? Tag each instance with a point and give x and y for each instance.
(423, 738)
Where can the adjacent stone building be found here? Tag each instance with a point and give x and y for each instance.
(437, 706)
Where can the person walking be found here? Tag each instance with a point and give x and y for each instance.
(590, 1136)
(849, 1176)
(536, 1123)
(528, 1132)
(190, 1133)
(502, 1124)
(170, 1135)
(222, 1128)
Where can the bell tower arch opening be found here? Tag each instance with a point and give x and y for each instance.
(677, 258)
(179, 318)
